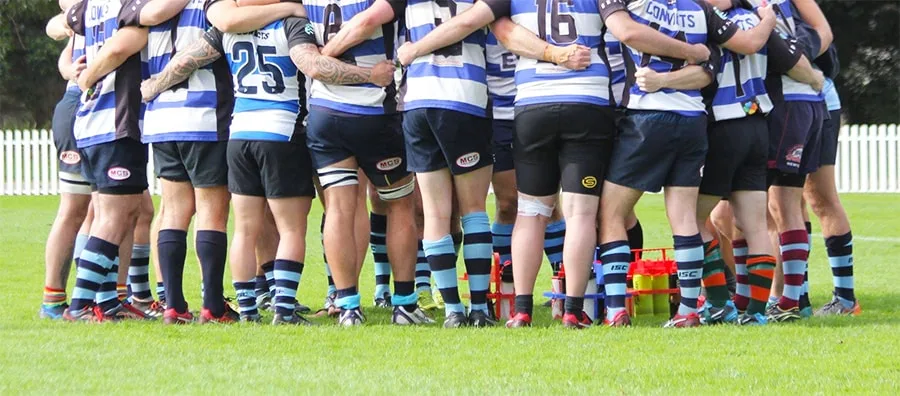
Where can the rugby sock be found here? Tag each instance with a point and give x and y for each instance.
(80, 240)
(742, 289)
(804, 295)
(95, 261)
(347, 298)
(331, 288)
(287, 280)
(635, 239)
(574, 305)
(172, 250)
(840, 257)
(714, 274)
(108, 295)
(554, 235)
(212, 248)
(377, 241)
(405, 295)
(121, 291)
(761, 269)
(525, 303)
(794, 248)
(54, 297)
(442, 261)
(161, 292)
(269, 272)
(501, 235)
(261, 286)
(689, 260)
(615, 257)
(423, 271)
(139, 272)
(457, 241)
(477, 252)
(246, 298)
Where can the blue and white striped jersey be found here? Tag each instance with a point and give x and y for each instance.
(198, 109)
(501, 81)
(267, 84)
(691, 21)
(111, 109)
(618, 74)
(741, 78)
(452, 77)
(77, 52)
(327, 16)
(832, 100)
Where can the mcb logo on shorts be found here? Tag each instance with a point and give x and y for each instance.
(70, 157)
(794, 155)
(468, 160)
(389, 164)
(118, 173)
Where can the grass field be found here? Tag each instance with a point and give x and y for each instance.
(832, 356)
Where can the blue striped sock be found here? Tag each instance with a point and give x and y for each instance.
(94, 263)
(423, 271)
(477, 252)
(794, 247)
(161, 291)
(502, 239)
(378, 243)
(689, 259)
(442, 260)
(139, 272)
(246, 298)
(554, 236)
(269, 272)
(108, 296)
(615, 257)
(287, 280)
(80, 241)
(347, 298)
(840, 257)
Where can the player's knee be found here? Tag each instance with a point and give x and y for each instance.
(534, 207)
(507, 207)
(398, 191)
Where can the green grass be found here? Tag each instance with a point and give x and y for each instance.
(833, 355)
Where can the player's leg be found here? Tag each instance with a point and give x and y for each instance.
(503, 183)
(361, 222)
(428, 298)
(138, 285)
(290, 218)
(266, 248)
(154, 253)
(378, 243)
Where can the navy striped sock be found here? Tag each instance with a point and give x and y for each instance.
(423, 271)
(139, 272)
(347, 298)
(377, 241)
(477, 252)
(96, 260)
(442, 261)
(246, 298)
(501, 234)
(689, 260)
(615, 257)
(261, 286)
(268, 269)
(108, 296)
(287, 280)
(161, 292)
(554, 236)
(840, 257)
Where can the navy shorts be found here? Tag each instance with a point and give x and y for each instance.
(737, 156)
(795, 136)
(118, 167)
(831, 131)
(375, 141)
(270, 169)
(202, 164)
(502, 144)
(657, 149)
(70, 179)
(440, 138)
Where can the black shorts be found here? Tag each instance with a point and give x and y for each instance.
(658, 149)
(502, 144)
(831, 131)
(70, 179)
(202, 164)
(375, 141)
(117, 168)
(564, 144)
(441, 138)
(795, 136)
(270, 169)
(737, 156)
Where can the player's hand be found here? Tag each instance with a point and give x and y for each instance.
(383, 73)
(407, 53)
(766, 12)
(574, 56)
(76, 68)
(649, 80)
(819, 83)
(83, 82)
(298, 10)
(148, 89)
(698, 54)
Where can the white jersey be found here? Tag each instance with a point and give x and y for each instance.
(452, 77)
(326, 17)
(501, 78)
(832, 100)
(198, 109)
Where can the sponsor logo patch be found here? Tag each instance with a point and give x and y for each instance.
(589, 182)
(118, 173)
(389, 164)
(70, 157)
(468, 160)
(794, 154)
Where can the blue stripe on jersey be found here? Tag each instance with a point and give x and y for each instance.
(728, 95)
(503, 100)
(494, 69)
(259, 135)
(96, 139)
(692, 38)
(446, 104)
(242, 104)
(467, 72)
(563, 99)
(182, 136)
(90, 40)
(199, 99)
(346, 107)
(418, 32)
(104, 102)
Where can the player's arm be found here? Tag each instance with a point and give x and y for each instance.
(66, 4)
(68, 69)
(226, 16)
(126, 42)
(454, 30)
(645, 39)
(159, 11)
(812, 15)
(245, 3)
(785, 58)
(747, 42)
(200, 53)
(362, 25)
(57, 29)
(522, 42)
(688, 78)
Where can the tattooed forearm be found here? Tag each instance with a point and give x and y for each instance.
(326, 69)
(200, 53)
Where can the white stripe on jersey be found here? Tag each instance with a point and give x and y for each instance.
(501, 81)
(270, 125)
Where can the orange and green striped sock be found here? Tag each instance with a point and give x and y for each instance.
(714, 275)
(121, 291)
(761, 268)
(54, 297)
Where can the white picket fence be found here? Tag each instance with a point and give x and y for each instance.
(867, 161)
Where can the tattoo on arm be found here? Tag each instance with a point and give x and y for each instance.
(200, 53)
(326, 69)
